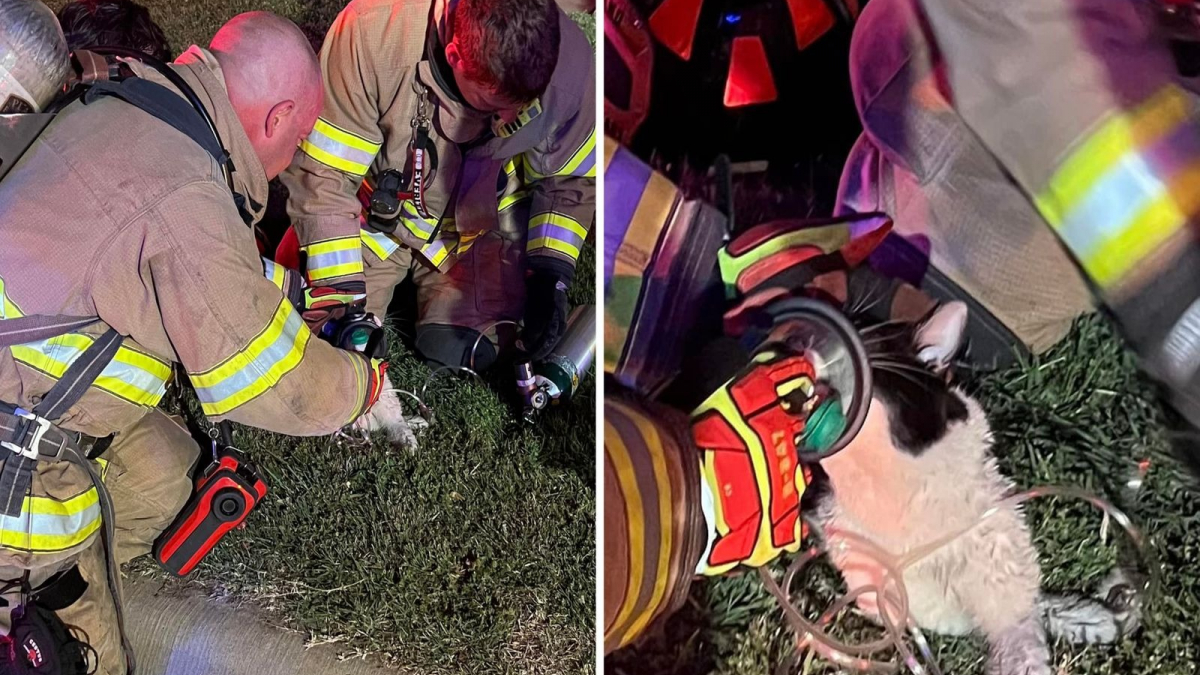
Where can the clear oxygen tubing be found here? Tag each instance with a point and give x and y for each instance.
(892, 597)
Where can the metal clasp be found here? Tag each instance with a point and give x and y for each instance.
(30, 451)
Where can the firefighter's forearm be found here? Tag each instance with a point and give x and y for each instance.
(326, 390)
(325, 214)
(1076, 98)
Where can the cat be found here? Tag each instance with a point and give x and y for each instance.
(922, 468)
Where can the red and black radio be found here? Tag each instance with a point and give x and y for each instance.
(225, 494)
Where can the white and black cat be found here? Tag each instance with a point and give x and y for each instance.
(922, 468)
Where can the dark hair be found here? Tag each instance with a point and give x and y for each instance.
(511, 45)
(112, 23)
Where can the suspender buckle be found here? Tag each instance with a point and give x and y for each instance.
(30, 450)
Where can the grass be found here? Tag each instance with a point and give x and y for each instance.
(1080, 415)
(475, 554)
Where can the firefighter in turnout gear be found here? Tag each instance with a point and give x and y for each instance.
(457, 143)
(114, 216)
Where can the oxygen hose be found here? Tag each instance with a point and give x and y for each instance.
(892, 597)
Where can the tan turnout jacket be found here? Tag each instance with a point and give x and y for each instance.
(533, 180)
(113, 213)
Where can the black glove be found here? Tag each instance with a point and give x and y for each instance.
(545, 312)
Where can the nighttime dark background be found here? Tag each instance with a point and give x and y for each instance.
(804, 135)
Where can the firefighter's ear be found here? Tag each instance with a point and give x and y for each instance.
(940, 337)
(454, 56)
(278, 117)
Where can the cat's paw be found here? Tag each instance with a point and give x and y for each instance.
(388, 415)
(1113, 613)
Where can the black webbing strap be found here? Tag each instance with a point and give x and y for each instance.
(17, 473)
(33, 328)
(163, 104)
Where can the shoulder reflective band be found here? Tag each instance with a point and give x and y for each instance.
(1129, 188)
(49, 525)
(340, 149)
(556, 232)
(132, 375)
(246, 374)
(333, 258)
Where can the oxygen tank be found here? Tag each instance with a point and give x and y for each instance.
(34, 60)
(556, 378)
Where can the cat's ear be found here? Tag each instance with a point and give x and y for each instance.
(940, 337)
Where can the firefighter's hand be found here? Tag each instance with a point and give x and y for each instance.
(545, 312)
(325, 304)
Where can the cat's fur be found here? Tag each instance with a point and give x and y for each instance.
(922, 468)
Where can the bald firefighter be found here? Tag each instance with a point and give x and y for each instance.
(118, 218)
(457, 143)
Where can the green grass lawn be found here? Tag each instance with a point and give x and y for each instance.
(1080, 415)
(476, 554)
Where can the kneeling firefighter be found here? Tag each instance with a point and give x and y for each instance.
(125, 211)
(783, 382)
(458, 145)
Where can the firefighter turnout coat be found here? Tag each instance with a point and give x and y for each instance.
(532, 180)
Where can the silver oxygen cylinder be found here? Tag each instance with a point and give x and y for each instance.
(572, 357)
(34, 62)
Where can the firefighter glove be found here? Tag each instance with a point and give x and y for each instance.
(545, 312)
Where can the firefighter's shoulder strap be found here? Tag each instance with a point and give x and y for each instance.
(164, 104)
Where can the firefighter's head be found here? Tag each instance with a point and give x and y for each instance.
(112, 23)
(503, 52)
(274, 83)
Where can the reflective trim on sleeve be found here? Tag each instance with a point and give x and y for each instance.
(380, 244)
(1129, 187)
(333, 258)
(273, 353)
(421, 228)
(557, 232)
(436, 252)
(508, 201)
(133, 376)
(275, 273)
(340, 149)
(582, 163)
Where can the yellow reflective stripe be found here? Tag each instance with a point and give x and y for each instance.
(561, 221)
(48, 525)
(585, 153)
(512, 199)
(1153, 226)
(1119, 196)
(339, 148)
(436, 251)
(276, 274)
(273, 353)
(555, 245)
(510, 167)
(380, 244)
(1116, 138)
(133, 376)
(333, 258)
(8, 309)
(556, 232)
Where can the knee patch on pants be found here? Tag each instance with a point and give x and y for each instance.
(452, 345)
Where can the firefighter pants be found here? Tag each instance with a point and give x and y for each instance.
(486, 285)
(149, 479)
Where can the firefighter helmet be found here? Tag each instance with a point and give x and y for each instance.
(34, 61)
